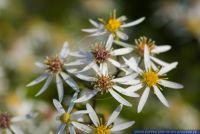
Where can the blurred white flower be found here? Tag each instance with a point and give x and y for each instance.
(55, 67)
(114, 26)
(104, 82)
(66, 117)
(151, 79)
(99, 127)
(8, 123)
(18, 103)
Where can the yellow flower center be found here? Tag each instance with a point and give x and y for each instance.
(102, 129)
(113, 25)
(65, 118)
(150, 78)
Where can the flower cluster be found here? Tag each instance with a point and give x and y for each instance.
(136, 67)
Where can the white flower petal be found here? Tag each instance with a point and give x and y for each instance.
(135, 88)
(86, 96)
(16, 129)
(71, 104)
(114, 62)
(109, 42)
(82, 127)
(122, 35)
(114, 115)
(40, 65)
(122, 126)
(44, 88)
(125, 91)
(160, 96)
(38, 80)
(104, 68)
(119, 98)
(75, 63)
(124, 79)
(85, 77)
(72, 70)
(78, 114)
(71, 129)
(24, 117)
(79, 54)
(60, 128)
(98, 33)
(59, 85)
(126, 70)
(123, 44)
(58, 106)
(133, 23)
(143, 99)
(90, 30)
(147, 63)
(132, 82)
(96, 69)
(158, 61)
(65, 50)
(94, 23)
(161, 49)
(132, 64)
(92, 114)
(88, 67)
(170, 84)
(19, 118)
(122, 18)
(167, 68)
(154, 67)
(121, 51)
(70, 81)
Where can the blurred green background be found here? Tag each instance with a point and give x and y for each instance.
(33, 29)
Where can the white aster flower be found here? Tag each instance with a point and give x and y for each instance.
(101, 53)
(8, 123)
(104, 128)
(151, 79)
(104, 82)
(153, 49)
(114, 26)
(55, 67)
(67, 117)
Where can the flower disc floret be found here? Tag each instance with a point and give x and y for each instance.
(65, 117)
(100, 53)
(150, 78)
(104, 83)
(141, 42)
(113, 25)
(54, 65)
(102, 129)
